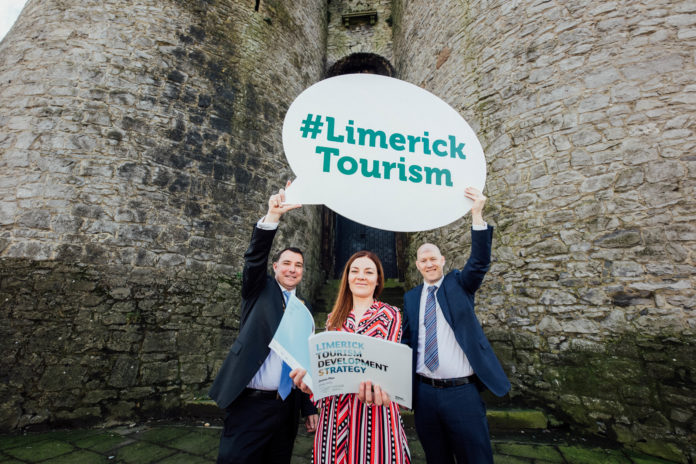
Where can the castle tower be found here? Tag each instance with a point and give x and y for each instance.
(585, 111)
(139, 142)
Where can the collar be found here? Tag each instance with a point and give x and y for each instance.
(438, 284)
(283, 289)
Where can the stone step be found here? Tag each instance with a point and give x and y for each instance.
(498, 419)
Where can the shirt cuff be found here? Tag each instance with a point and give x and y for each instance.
(480, 227)
(266, 225)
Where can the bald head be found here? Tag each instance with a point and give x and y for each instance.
(428, 247)
(430, 263)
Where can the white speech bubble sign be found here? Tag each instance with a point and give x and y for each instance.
(381, 152)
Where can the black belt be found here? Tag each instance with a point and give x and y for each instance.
(266, 394)
(444, 383)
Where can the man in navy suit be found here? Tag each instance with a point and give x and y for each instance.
(253, 385)
(452, 357)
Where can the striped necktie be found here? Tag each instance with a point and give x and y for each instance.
(285, 381)
(430, 321)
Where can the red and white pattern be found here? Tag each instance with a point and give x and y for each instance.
(351, 432)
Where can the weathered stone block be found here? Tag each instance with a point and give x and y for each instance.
(124, 373)
(619, 239)
(61, 377)
(157, 373)
(160, 342)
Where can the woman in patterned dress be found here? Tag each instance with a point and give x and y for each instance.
(352, 431)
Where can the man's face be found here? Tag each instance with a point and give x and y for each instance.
(430, 263)
(288, 269)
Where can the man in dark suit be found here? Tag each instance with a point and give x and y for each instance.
(253, 385)
(452, 357)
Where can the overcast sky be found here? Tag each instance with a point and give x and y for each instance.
(9, 10)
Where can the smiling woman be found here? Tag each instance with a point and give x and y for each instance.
(9, 11)
(366, 424)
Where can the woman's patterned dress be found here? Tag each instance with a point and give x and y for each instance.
(352, 432)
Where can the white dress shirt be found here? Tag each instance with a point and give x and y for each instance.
(453, 362)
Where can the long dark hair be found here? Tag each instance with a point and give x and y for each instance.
(344, 300)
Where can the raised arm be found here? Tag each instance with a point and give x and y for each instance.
(256, 256)
(471, 276)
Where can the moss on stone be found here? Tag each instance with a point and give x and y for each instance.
(198, 441)
(142, 452)
(101, 442)
(45, 449)
(516, 419)
(79, 457)
(536, 452)
(663, 449)
(17, 441)
(578, 455)
(163, 434)
(502, 459)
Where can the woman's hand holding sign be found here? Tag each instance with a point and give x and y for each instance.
(372, 394)
(368, 393)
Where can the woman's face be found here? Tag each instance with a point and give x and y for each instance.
(362, 277)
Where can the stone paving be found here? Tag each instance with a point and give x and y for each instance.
(191, 443)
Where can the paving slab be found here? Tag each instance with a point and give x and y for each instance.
(189, 442)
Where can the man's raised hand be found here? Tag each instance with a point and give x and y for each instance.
(277, 206)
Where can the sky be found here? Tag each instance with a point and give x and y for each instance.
(9, 10)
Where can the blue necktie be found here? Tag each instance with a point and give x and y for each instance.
(285, 380)
(430, 321)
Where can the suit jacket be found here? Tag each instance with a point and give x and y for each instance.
(261, 312)
(456, 298)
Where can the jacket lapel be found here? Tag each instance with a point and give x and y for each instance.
(444, 306)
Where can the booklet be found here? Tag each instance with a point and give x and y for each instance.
(290, 339)
(336, 362)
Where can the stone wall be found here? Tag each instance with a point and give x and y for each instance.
(139, 142)
(586, 114)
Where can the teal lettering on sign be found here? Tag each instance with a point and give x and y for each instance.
(348, 166)
(313, 126)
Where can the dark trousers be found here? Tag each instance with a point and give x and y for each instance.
(451, 422)
(259, 429)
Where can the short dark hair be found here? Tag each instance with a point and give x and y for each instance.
(276, 256)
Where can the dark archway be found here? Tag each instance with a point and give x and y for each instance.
(342, 237)
(368, 63)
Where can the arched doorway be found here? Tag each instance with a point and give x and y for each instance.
(361, 63)
(342, 237)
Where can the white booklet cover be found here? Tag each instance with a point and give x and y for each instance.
(336, 362)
